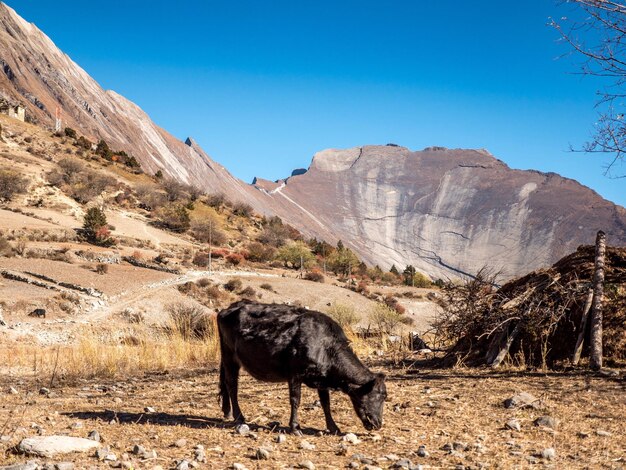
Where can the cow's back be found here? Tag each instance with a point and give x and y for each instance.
(278, 342)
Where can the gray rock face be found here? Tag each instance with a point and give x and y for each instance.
(447, 212)
(49, 446)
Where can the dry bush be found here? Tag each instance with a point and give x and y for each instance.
(206, 231)
(267, 287)
(150, 196)
(217, 201)
(234, 259)
(11, 184)
(189, 321)
(260, 253)
(242, 209)
(175, 190)
(233, 285)
(174, 217)
(344, 315)
(248, 292)
(386, 320)
(315, 276)
(274, 235)
(204, 282)
(6, 249)
(102, 268)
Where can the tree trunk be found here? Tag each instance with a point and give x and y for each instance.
(595, 341)
(583, 326)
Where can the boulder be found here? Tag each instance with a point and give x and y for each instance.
(49, 446)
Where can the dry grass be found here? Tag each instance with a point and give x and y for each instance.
(117, 354)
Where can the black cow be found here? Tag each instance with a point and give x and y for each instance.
(282, 343)
(38, 312)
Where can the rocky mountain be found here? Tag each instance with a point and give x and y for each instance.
(448, 212)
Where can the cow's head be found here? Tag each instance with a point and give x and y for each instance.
(368, 401)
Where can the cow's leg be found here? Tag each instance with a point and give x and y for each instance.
(224, 395)
(295, 389)
(325, 401)
(231, 377)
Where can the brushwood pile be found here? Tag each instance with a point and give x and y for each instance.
(538, 315)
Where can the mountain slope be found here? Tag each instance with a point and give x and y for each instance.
(40, 76)
(448, 212)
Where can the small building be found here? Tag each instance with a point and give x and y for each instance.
(16, 111)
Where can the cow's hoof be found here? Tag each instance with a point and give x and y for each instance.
(334, 431)
(228, 417)
(296, 432)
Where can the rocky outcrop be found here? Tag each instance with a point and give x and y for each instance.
(448, 212)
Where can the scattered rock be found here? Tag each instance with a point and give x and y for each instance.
(281, 439)
(94, 436)
(102, 452)
(513, 424)
(602, 433)
(548, 453)
(371, 467)
(49, 446)
(30, 465)
(110, 457)
(242, 429)
(307, 464)
(138, 450)
(64, 466)
(148, 409)
(405, 464)
(521, 400)
(547, 422)
(239, 466)
(13, 391)
(44, 391)
(180, 443)
(262, 454)
(583, 434)
(459, 446)
(351, 438)
(182, 465)
(306, 445)
(422, 452)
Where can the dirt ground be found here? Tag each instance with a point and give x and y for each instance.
(435, 408)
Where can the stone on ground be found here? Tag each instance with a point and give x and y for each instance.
(49, 446)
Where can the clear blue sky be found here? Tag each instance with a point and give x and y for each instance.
(262, 86)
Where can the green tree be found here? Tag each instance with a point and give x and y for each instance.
(343, 260)
(409, 275)
(394, 270)
(296, 254)
(96, 227)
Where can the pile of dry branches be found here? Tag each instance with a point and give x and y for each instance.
(536, 319)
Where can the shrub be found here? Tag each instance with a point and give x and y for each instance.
(242, 209)
(11, 183)
(150, 196)
(275, 235)
(174, 217)
(5, 248)
(217, 201)
(344, 315)
(69, 132)
(248, 292)
(159, 174)
(315, 276)
(190, 321)
(90, 186)
(204, 282)
(102, 268)
(386, 320)
(234, 258)
(206, 231)
(233, 285)
(174, 190)
(260, 253)
(266, 286)
(83, 143)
